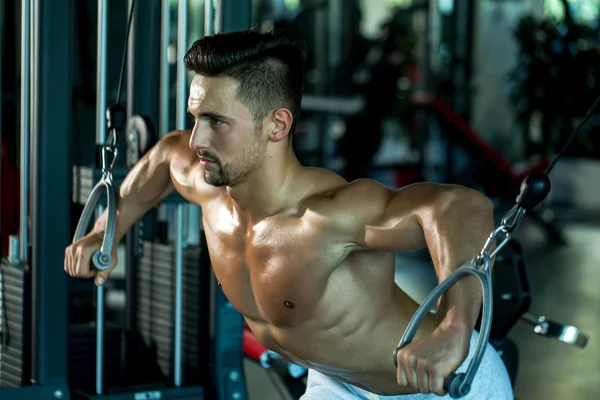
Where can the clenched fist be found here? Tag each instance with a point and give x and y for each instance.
(78, 258)
(424, 364)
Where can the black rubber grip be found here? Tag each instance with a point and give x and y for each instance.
(455, 387)
(115, 117)
(534, 190)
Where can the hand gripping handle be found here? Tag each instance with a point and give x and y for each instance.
(457, 385)
(102, 258)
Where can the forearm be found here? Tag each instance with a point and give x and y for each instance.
(456, 229)
(144, 187)
(129, 211)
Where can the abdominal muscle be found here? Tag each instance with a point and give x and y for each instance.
(351, 339)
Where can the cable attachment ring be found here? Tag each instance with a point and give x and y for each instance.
(109, 164)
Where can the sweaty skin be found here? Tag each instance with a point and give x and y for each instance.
(306, 257)
(348, 314)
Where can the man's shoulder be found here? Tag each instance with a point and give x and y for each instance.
(340, 203)
(334, 191)
(177, 140)
(184, 166)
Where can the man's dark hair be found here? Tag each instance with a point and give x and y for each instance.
(268, 67)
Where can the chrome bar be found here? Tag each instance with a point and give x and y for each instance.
(335, 35)
(218, 28)
(181, 71)
(100, 140)
(165, 84)
(178, 290)
(102, 260)
(164, 67)
(101, 71)
(131, 64)
(99, 331)
(181, 111)
(25, 128)
(34, 74)
(209, 18)
(337, 105)
(1, 55)
(99, 339)
(13, 249)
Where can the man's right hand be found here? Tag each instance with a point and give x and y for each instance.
(78, 258)
(144, 187)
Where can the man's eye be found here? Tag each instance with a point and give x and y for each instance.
(217, 121)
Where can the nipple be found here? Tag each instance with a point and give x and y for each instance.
(288, 304)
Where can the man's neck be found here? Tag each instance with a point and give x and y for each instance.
(269, 189)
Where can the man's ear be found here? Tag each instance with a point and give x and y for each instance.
(282, 119)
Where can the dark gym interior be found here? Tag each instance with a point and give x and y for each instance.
(480, 93)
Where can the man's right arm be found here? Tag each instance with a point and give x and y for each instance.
(145, 186)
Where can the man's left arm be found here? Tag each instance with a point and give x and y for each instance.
(452, 221)
(458, 226)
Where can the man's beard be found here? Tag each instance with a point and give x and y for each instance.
(217, 176)
(214, 173)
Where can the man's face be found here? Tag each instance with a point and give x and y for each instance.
(224, 136)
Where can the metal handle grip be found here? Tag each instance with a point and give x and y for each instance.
(102, 258)
(457, 385)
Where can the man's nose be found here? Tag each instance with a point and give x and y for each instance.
(200, 138)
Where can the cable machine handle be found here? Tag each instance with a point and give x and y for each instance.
(457, 385)
(102, 258)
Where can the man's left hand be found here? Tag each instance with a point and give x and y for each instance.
(424, 364)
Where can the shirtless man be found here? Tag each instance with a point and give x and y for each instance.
(305, 256)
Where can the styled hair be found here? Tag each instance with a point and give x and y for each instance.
(268, 67)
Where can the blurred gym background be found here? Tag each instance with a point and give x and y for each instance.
(478, 93)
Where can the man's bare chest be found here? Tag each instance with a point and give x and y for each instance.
(275, 271)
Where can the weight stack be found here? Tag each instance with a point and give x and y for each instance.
(82, 355)
(15, 342)
(155, 313)
(85, 178)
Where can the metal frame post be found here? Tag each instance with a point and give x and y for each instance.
(463, 50)
(131, 62)
(234, 15)
(100, 139)
(1, 107)
(181, 110)
(334, 41)
(209, 18)
(164, 67)
(50, 192)
(101, 72)
(25, 128)
(321, 88)
(182, 90)
(142, 92)
(179, 245)
(164, 116)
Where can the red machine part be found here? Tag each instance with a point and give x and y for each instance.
(469, 136)
(251, 347)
